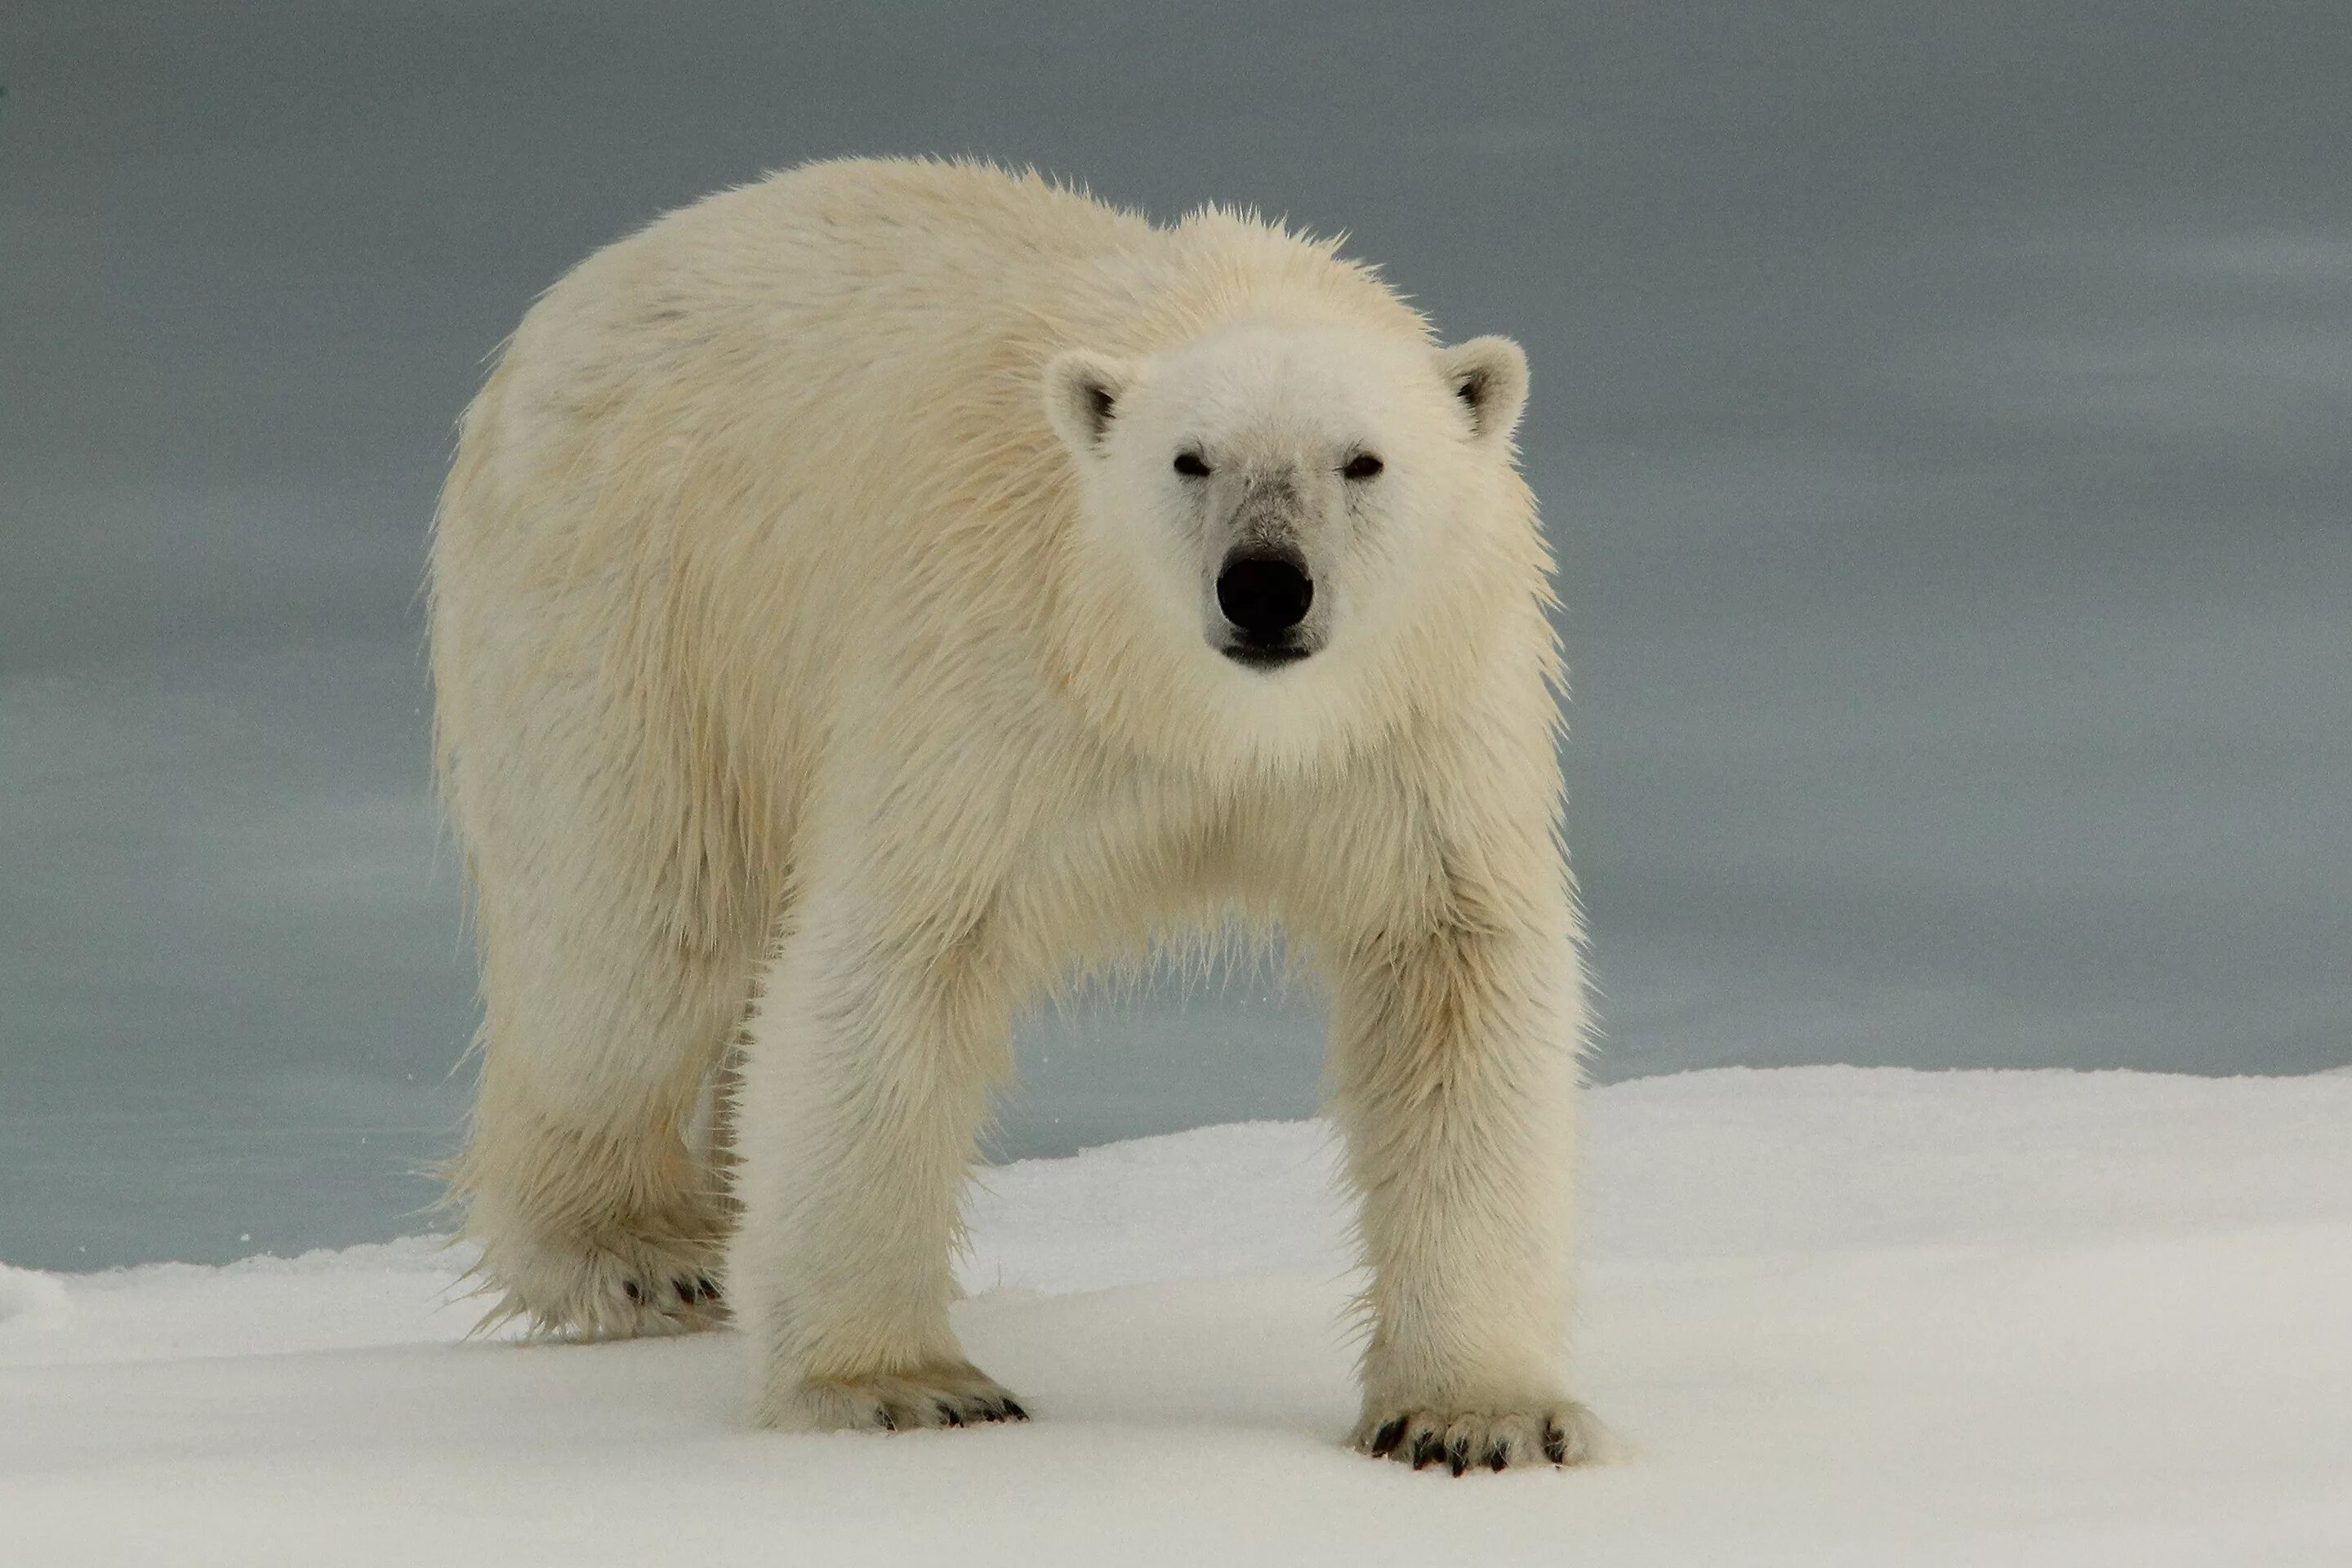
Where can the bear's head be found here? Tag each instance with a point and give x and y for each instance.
(1287, 533)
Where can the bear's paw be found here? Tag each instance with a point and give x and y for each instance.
(617, 1287)
(1558, 1433)
(960, 1395)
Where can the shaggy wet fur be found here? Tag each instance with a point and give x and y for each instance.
(817, 631)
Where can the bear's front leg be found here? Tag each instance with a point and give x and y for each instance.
(864, 1077)
(1455, 1056)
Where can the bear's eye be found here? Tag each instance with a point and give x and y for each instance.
(1362, 465)
(1191, 466)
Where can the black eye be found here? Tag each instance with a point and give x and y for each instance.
(1362, 465)
(1191, 466)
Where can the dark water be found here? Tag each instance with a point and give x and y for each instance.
(1940, 409)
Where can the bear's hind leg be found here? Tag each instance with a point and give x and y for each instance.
(589, 1180)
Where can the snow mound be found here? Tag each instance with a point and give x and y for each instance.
(32, 1303)
(1840, 1315)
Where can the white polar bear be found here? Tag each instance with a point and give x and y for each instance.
(866, 598)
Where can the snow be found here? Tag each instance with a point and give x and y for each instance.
(1835, 1315)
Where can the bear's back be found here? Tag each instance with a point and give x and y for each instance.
(928, 237)
(852, 349)
(797, 427)
(958, 275)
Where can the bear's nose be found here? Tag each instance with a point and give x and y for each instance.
(1264, 592)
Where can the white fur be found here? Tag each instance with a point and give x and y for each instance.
(823, 669)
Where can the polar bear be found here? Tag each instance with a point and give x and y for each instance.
(866, 598)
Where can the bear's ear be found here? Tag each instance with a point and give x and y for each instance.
(1490, 376)
(1082, 393)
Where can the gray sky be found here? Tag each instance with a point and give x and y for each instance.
(1942, 411)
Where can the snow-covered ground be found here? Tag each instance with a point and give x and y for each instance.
(1837, 1316)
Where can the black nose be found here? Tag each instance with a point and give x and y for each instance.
(1263, 593)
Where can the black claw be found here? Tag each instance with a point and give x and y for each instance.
(1555, 1442)
(1013, 1411)
(633, 1291)
(1457, 1457)
(705, 1288)
(1385, 1440)
(1498, 1459)
(1425, 1450)
(685, 1288)
(948, 1414)
(889, 1422)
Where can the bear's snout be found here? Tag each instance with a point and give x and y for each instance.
(1264, 595)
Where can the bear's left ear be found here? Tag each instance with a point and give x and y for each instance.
(1082, 395)
(1490, 376)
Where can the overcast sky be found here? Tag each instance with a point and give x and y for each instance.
(1942, 411)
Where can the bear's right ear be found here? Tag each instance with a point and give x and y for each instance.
(1082, 393)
